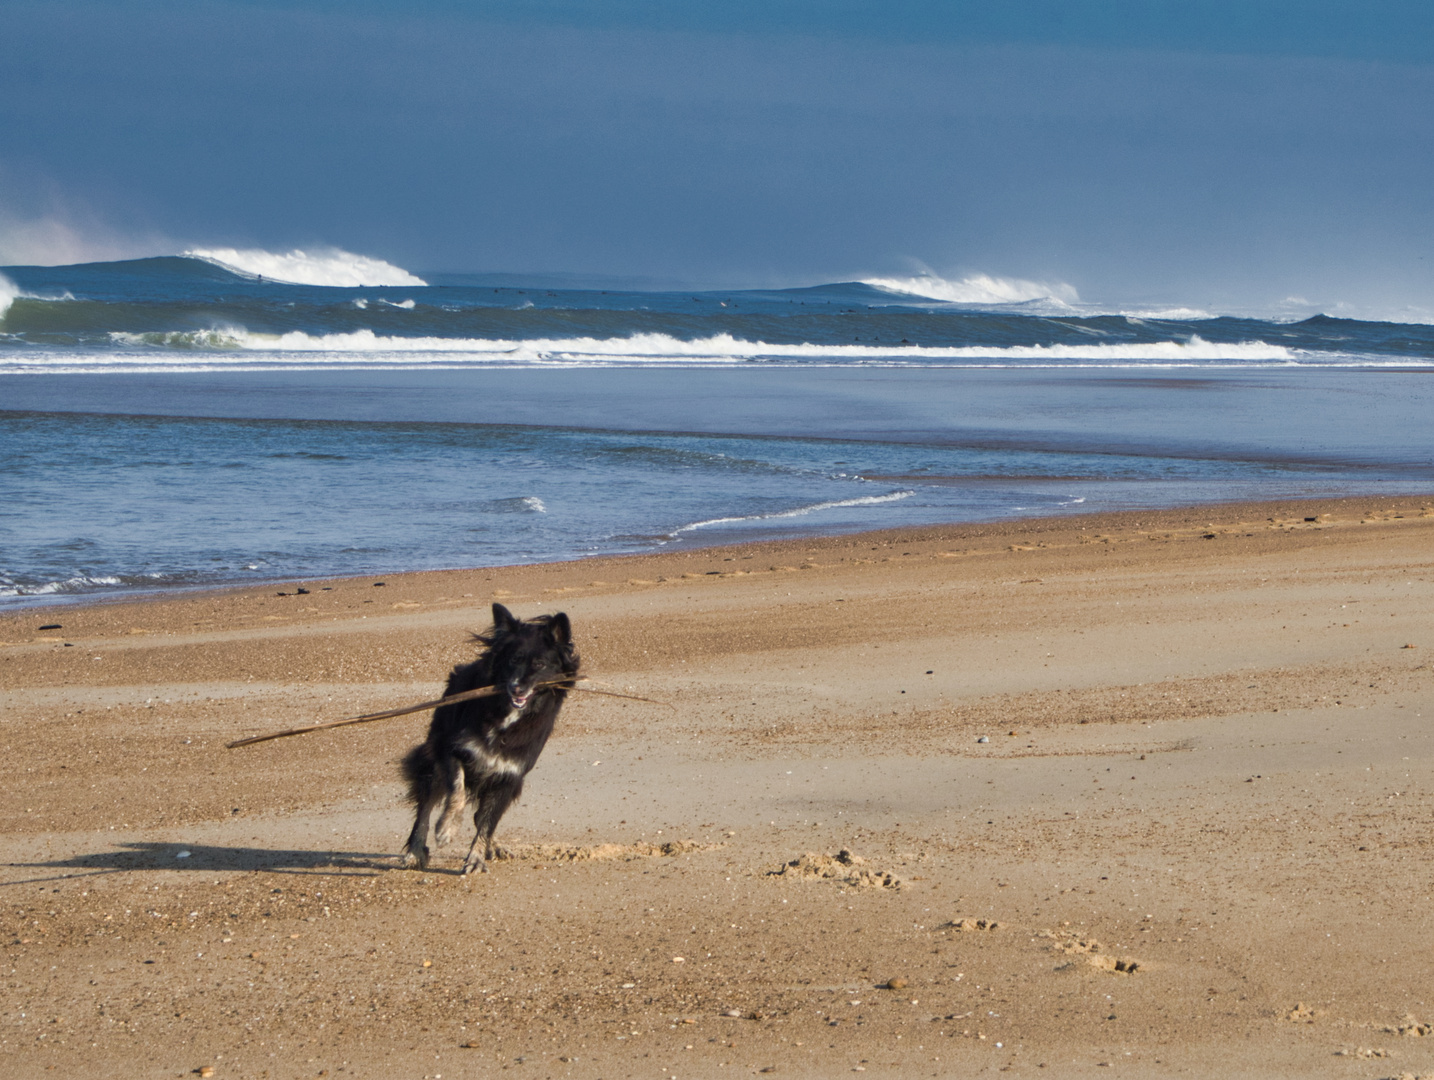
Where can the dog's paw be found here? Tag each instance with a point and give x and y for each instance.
(499, 852)
(413, 860)
(475, 864)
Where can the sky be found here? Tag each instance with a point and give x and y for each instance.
(1232, 155)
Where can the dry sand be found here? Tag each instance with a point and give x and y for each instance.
(1144, 794)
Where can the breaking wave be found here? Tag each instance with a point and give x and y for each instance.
(367, 347)
(78, 584)
(977, 289)
(323, 266)
(8, 294)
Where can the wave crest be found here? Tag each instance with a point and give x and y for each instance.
(977, 289)
(326, 266)
(663, 348)
(8, 293)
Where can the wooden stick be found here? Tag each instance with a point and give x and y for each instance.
(453, 699)
(626, 697)
(467, 695)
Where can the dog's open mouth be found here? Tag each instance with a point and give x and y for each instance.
(519, 698)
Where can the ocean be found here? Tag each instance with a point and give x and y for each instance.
(236, 417)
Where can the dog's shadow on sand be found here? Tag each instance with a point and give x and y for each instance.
(209, 858)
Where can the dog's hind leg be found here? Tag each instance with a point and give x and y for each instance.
(457, 801)
(416, 851)
(421, 769)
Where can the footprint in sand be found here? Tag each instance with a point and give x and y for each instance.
(844, 866)
(1074, 945)
(966, 926)
(1410, 1027)
(559, 853)
(1109, 963)
(1363, 1052)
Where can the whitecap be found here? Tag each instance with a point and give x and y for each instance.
(9, 292)
(521, 504)
(1169, 314)
(234, 349)
(719, 348)
(322, 266)
(977, 289)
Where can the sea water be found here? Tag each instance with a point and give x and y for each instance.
(176, 422)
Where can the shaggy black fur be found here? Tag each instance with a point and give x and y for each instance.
(481, 750)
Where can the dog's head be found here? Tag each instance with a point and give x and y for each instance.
(528, 653)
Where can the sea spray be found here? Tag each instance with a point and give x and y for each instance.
(324, 266)
(8, 294)
(977, 289)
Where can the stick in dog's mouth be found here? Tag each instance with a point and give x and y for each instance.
(467, 695)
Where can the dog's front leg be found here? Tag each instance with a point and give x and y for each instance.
(475, 860)
(496, 851)
(457, 802)
(491, 808)
(491, 805)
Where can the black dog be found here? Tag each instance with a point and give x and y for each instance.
(482, 749)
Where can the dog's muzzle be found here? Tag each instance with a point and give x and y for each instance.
(519, 696)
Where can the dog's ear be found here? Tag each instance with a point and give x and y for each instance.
(560, 629)
(503, 619)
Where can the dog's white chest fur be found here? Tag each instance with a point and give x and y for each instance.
(492, 761)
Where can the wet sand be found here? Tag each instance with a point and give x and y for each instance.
(1144, 794)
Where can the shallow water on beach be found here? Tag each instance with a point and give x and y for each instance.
(189, 479)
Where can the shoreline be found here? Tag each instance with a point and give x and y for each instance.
(1110, 792)
(1167, 518)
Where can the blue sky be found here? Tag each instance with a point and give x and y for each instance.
(1217, 154)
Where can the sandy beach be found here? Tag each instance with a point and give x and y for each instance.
(1144, 794)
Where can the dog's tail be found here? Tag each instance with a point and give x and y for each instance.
(421, 771)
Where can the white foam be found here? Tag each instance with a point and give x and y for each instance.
(977, 289)
(8, 292)
(722, 348)
(228, 349)
(801, 511)
(1175, 314)
(69, 585)
(323, 266)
